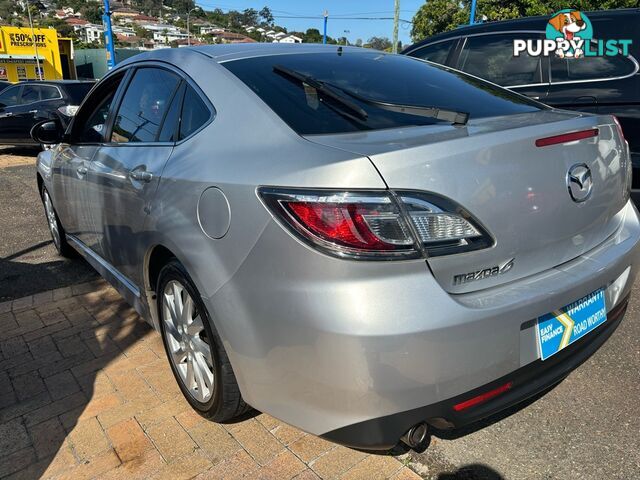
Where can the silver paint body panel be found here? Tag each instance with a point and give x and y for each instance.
(322, 342)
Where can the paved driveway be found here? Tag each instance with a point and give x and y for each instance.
(86, 392)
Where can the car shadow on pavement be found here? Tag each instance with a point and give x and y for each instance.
(474, 471)
(20, 276)
(73, 364)
(21, 150)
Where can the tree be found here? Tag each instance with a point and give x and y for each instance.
(250, 17)
(234, 19)
(437, 16)
(7, 7)
(92, 13)
(379, 43)
(266, 16)
(312, 35)
(359, 42)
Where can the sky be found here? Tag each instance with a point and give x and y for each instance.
(338, 10)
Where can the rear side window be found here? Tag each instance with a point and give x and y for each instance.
(194, 113)
(77, 91)
(491, 57)
(436, 52)
(591, 68)
(49, 93)
(30, 93)
(144, 105)
(9, 97)
(376, 76)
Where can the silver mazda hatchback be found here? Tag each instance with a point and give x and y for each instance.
(363, 245)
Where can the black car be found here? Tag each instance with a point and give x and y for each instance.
(4, 84)
(600, 85)
(24, 104)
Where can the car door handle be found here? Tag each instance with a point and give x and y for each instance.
(82, 170)
(33, 111)
(140, 175)
(7, 114)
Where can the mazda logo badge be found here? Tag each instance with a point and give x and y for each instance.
(579, 182)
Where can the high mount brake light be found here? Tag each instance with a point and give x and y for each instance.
(567, 137)
(377, 225)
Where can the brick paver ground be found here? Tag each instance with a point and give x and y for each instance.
(86, 392)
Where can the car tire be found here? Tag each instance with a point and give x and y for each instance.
(55, 227)
(206, 381)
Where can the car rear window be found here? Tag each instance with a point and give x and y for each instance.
(377, 76)
(77, 91)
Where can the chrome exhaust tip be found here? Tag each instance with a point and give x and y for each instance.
(416, 435)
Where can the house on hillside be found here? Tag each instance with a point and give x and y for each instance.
(288, 39)
(209, 29)
(230, 37)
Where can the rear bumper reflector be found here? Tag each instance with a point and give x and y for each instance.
(483, 397)
(567, 137)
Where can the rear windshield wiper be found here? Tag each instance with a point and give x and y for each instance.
(324, 89)
(456, 118)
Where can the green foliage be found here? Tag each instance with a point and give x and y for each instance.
(379, 43)
(437, 16)
(250, 17)
(266, 16)
(6, 10)
(313, 35)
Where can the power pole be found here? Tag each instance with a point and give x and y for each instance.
(108, 36)
(396, 20)
(472, 15)
(35, 43)
(324, 35)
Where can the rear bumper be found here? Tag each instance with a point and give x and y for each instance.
(528, 381)
(353, 351)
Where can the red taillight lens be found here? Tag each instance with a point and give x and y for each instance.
(567, 137)
(345, 224)
(483, 397)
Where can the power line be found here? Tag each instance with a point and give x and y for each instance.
(317, 17)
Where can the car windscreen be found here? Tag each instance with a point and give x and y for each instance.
(372, 75)
(77, 91)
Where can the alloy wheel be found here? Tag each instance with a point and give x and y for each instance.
(52, 219)
(190, 349)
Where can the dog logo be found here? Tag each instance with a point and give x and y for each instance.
(571, 30)
(569, 24)
(569, 34)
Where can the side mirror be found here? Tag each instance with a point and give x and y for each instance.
(47, 132)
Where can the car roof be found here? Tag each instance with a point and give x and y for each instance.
(54, 82)
(237, 51)
(537, 23)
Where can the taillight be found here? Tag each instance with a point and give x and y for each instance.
(68, 110)
(627, 155)
(379, 225)
(619, 127)
(567, 137)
